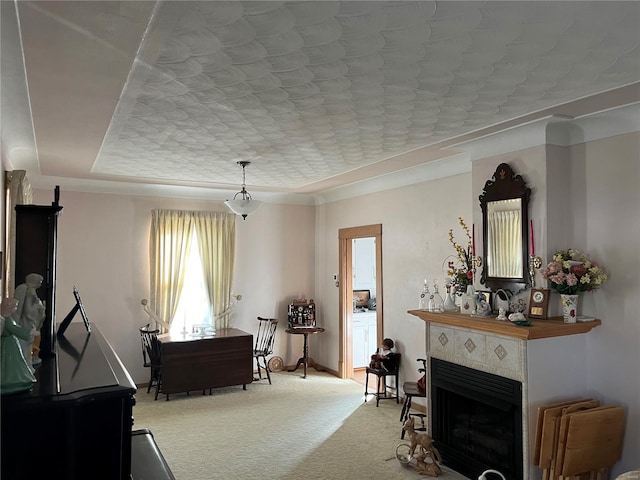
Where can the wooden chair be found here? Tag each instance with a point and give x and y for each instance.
(411, 390)
(390, 368)
(264, 345)
(152, 357)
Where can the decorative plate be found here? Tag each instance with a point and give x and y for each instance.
(275, 364)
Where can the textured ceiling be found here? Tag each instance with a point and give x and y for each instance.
(310, 91)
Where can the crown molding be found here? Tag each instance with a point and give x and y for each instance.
(159, 190)
(552, 130)
(605, 124)
(556, 130)
(445, 167)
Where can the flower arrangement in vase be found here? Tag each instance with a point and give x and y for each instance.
(461, 272)
(571, 273)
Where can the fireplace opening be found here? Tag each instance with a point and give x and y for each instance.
(476, 420)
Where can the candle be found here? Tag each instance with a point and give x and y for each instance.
(532, 248)
(473, 240)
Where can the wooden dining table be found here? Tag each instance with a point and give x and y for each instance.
(193, 362)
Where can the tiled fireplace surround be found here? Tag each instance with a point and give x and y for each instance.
(546, 357)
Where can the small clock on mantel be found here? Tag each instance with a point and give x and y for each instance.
(539, 303)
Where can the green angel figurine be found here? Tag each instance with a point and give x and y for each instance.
(16, 375)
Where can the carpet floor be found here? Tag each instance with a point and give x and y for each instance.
(313, 428)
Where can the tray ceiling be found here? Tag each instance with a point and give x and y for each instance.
(314, 94)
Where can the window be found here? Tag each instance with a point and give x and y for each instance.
(193, 305)
(191, 261)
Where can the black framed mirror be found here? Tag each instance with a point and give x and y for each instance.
(505, 218)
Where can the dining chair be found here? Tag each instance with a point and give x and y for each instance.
(151, 355)
(264, 345)
(414, 390)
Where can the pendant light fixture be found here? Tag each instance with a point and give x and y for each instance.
(245, 204)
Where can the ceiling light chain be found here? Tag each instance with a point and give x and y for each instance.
(245, 205)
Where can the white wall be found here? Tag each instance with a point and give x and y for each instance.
(103, 249)
(606, 196)
(415, 224)
(364, 265)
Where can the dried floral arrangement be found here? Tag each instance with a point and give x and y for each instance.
(461, 271)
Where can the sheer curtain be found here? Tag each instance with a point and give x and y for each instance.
(170, 242)
(216, 241)
(505, 230)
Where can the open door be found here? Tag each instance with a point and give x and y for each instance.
(345, 249)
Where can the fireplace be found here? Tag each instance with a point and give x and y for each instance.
(477, 420)
(492, 374)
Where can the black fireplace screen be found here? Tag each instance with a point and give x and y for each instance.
(477, 420)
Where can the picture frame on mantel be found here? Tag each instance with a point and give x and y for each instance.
(539, 303)
(484, 305)
(486, 297)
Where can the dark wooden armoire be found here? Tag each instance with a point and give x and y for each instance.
(35, 252)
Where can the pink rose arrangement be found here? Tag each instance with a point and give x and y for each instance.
(571, 272)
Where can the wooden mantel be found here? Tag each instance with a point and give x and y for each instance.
(553, 327)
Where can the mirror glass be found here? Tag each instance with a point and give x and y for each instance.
(505, 203)
(504, 240)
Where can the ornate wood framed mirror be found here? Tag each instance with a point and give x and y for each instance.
(505, 219)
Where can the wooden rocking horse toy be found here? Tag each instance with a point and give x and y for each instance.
(427, 449)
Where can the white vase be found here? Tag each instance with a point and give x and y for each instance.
(569, 307)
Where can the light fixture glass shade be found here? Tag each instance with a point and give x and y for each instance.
(242, 206)
(245, 204)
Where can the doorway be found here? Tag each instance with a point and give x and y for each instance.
(346, 237)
